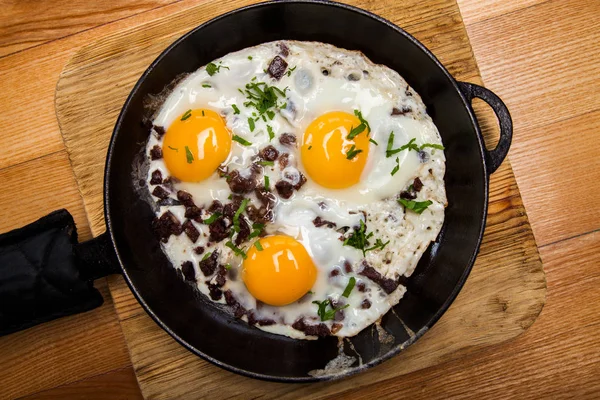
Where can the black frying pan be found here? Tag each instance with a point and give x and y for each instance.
(197, 323)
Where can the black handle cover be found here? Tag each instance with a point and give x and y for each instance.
(493, 158)
(45, 274)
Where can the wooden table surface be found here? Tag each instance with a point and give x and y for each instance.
(541, 56)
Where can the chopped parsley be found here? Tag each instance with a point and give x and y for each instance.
(353, 152)
(249, 57)
(236, 250)
(270, 114)
(207, 255)
(397, 167)
(236, 216)
(374, 142)
(213, 68)
(174, 148)
(270, 132)
(267, 163)
(360, 128)
(290, 70)
(416, 206)
(359, 239)
(212, 218)
(267, 183)
(188, 155)
(309, 147)
(241, 140)
(262, 96)
(432, 145)
(251, 124)
(206, 85)
(236, 110)
(258, 245)
(257, 229)
(186, 115)
(228, 267)
(326, 314)
(349, 287)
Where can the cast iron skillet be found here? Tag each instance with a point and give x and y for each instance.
(216, 336)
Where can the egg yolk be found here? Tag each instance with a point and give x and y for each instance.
(195, 144)
(329, 157)
(281, 272)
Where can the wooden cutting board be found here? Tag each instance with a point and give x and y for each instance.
(501, 299)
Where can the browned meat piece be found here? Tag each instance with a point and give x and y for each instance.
(238, 310)
(401, 111)
(277, 67)
(267, 198)
(335, 328)
(185, 198)
(366, 303)
(417, 185)
(408, 195)
(188, 271)
(301, 181)
(287, 139)
(285, 189)
(311, 330)
(199, 250)
(193, 213)
(284, 160)
(241, 185)
(388, 285)
(209, 265)
(191, 231)
(221, 274)
(261, 215)
(319, 222)
(243, 233)
(156, 152)
(215, 292)
(347, 266)
(159, 130)
(157, 177)
(219, 230)
(160, 192)
(361, 286)
(283, 49)
(166, 225)
(269, 153)
(216, 206)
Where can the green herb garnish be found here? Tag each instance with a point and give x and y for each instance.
(251, 124)
(416, 206)
(324, 313)
(262, 96)
(207, 255)
(309, 147)
(378, 245)
(359, 239)
(236, 110)
(362, 120)
(355, 131)
(241, 140)
(213, 68)
(352, 153)
(432, 145)
(188, 155)
(236, 250)
(267, 163)
(397, 167)
(173, 148)
(267, 184)
(270, 132)
(349, 287)
(249, 57)
(228, 267)
(258, 245)
(212, 218)
(258, 228)
(374, 142)
(186, 115)
(270, 114)
(206, 85)
(290, 70)
(236, 216)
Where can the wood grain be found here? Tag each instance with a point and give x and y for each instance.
(540, 364)
(480, 316)
(116, 385)
(26, 23)
(62, 351)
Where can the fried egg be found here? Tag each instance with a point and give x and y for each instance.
(298, 185)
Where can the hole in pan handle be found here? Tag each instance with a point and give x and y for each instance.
(493, 158)
(46, 274)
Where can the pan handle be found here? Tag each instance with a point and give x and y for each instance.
(46, 274)
(493, 158)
